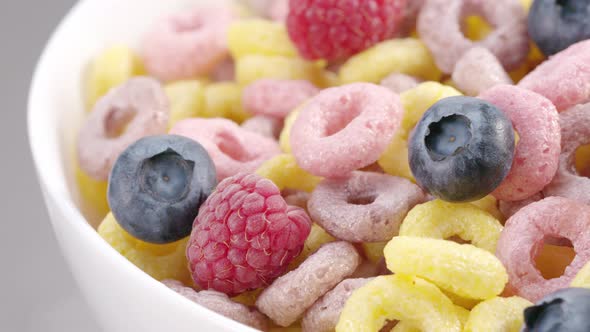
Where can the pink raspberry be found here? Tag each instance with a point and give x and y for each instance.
(245, 235)
(336, 29)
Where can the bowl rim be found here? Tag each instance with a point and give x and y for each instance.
(51, 175)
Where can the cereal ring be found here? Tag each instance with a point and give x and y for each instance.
(462, 269)
(398, 297)
(497, 314)
(264, 125)
(296, 197)
(279, 10)
(187, 45)
(489, 71)
(365, 207)
(374, 250)
(524, 234)
(283, 170)
(415, 102)
(111, 68)
(313, 278)
(405, 326)
(224, 100)
(406, 56)
(399, 83)
(345, 128)
(575, 132)
(441, 220)
(323, 315)
(224, 72)
(317, 237)
(187, 100)
(93, 197)
(582, 279)
(536, 155)
(161, 261)
(221, 304)
(509, 208)
(439, 26)
(564, 78)
(258, 36)
(136, 109)
(250, 68)
(232, 148)
(285, 137)
(276, 98)
(490, 205)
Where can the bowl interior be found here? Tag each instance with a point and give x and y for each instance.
(56, 108)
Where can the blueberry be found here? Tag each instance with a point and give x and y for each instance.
(566, 310)
(556, 24)
(157, 186)
(461, 149)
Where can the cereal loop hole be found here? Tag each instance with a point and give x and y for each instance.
(231, 147)
(553, 255)
(582, 160)
(363, 199)
(116, 121)
(341, 119)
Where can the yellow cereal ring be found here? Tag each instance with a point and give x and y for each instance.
(462, 302)
(224, 100)
(462, 269)
(398, 297)
(476, 28)
(498, 314)
(526, 4)
(250, 68)
(374, 250)
(404, 326)
(415, 102)
(582, 279)
(284, 139)
(441, 220)
(490, 205)
(317, 237)
(258, 36)
(93, 196)
(283, 170)
(406, 56)
(112, 67)
(161, 261)
(187, 100)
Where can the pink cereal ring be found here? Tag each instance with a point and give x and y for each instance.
(439, 26)
(232, 148)
(564, 78)
(264, 125)
(138, 108)
(524, 234)
(575, 132)
(489, 71)
(276, 98)
(345, 128)
(279, 10)
(537, 154)
(509, 208)
(187, 45)
(399, 83)
(366, 207)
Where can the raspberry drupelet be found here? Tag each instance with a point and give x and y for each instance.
(245, 235)
(337, 29)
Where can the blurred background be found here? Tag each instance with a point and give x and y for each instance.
(37, 292)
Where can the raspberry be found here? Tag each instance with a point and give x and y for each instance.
(336, 29)
(245, 235)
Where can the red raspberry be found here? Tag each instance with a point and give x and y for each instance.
(245, 235)
(336, 29)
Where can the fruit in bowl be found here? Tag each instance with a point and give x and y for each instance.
(269, 166)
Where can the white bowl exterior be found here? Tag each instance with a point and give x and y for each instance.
(122, 296)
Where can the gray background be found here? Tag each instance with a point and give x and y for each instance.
(37, 292)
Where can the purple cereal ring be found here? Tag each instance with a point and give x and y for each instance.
(221, 304)
(324, 314)
(276, 98)
(439, 26)
(537, 154)
(523, 237)
(135, 109)
(287, 298)
(264, 125)
(564, 78)
(345, 128)
(365, 207)
(187, 45)
(232, 148)
(575, 132)
(489, 71)
(399, 83)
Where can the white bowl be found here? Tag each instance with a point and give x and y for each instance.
(122, 296)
